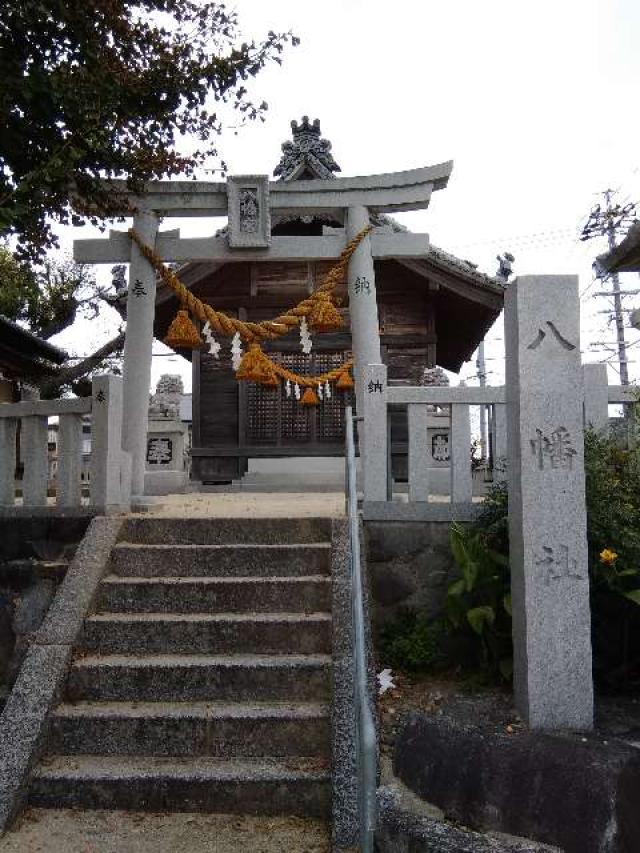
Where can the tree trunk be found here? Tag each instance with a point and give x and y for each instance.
(50, 387)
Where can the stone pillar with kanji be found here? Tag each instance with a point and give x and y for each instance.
(363, 305)
(141, 304)
(547, 511)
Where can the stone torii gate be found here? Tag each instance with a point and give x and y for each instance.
(248, 200)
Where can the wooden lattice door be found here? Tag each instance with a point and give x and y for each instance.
(273, 419)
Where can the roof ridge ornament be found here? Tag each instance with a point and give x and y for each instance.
(308, 153)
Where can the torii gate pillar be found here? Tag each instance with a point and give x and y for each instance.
(363, 303)
(141, 304)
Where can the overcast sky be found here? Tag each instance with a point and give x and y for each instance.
(536, 104)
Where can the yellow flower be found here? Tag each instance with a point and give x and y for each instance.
(608, 556)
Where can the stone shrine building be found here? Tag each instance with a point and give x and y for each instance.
(433, 311)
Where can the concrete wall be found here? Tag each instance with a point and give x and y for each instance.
(410, 566)
(34, 554)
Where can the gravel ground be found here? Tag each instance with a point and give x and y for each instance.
(71, 831)
(616, 717)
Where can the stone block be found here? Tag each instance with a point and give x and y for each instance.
(577, 794)
(66, 615)
(166, 445)
(249, 211)
(22, 724)
(106, 443)
(165, 482)
(410, 566)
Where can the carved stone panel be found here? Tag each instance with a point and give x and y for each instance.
(249, 214)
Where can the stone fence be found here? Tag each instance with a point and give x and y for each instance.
(24, 439)
(426, 500)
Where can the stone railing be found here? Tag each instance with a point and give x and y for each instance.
(24, 431)
(427, 500)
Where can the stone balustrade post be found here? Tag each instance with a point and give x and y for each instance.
(547, 511)
(596, 397)
(109, 466)
(418, 462)
(69, 487)
(499, 442)
(8, 429)
(141, 305)
(460, 451)
(34, 438)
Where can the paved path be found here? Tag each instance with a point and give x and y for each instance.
(254, 504)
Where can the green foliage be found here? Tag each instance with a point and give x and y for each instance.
(17, 286)
(477, 629)
(46, 297)
(613, 512)
(99, 89)
(413, 643)
(478, 607)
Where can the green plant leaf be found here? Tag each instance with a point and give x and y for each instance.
(457, 588)
(478, 617)
(506, 603)
(498, 558)
(470, 574)
(457, 539)
(633, 595)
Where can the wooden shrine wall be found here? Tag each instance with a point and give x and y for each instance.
(235, 420)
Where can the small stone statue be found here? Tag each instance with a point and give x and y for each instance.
(165, 403)
(118, 279)
(435, 377)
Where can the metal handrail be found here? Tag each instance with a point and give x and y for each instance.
(366, 742)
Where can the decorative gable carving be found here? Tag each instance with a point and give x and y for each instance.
(308, 156)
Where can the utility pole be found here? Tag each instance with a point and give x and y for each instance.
(481, 367)
(608, 222)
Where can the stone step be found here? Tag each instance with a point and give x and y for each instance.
(240, 560)
(205, 633)
(195, 678)
(310, 593)
(225, 531)
(191, 729)
(259, 786)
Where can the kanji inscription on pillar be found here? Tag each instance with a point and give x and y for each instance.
(159, 451)
(361, 285)
(440, 450)
(556, 563)
(138, 289)
(555, 450)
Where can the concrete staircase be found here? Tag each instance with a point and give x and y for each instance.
(202, 681)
